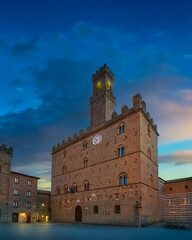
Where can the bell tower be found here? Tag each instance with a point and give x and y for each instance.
(103, 102)
(6, 154)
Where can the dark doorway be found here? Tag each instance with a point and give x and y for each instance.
(78, 214)
(28, 218)
(15, 217)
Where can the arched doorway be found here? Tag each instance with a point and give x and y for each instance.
(78, 214)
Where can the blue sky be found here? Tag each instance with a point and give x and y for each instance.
(49, 51)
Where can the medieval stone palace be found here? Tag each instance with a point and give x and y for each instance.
(109, 173)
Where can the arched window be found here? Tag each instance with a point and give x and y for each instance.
(108, 85)
(99, 86)
(122, 128)
(65, 189)
(86, 186)
(121, 151)
(123, 179)
(84, 145)
(149, 152)
(85, 162)
(64, 169)
(74, 187)
(148, 130)
(151, 180)
(58, 190)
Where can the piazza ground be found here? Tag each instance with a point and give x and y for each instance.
(87, 232)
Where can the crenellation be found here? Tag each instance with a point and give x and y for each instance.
(102, 70)
(143, 106)
(81, 133)
(124, 109)
(152, 121)
(114, 116)
(75, 136)
(6, 149)
(137, 101)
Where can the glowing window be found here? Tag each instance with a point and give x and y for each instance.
(99, 86)
(108, 85)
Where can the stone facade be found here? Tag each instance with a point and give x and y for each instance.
(108, 174)
(18, 192)
(43, 206)
(176, 200)
(23, 198)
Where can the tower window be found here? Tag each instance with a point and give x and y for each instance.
(85, 162)
(0, 169)
(108, 85)
(122, 128)
(99, 86)
(170, 189)
(84, 145)
(186, 186)
(123, 179)
(121, 151)
(86, 186)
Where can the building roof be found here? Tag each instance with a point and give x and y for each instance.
(179, 180)
(24, 175)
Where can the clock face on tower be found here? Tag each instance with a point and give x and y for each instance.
(97, 139)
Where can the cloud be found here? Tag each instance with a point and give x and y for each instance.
(177, 158)
(186, 94)
(23, 48)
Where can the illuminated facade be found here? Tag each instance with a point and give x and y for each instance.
(108, 174)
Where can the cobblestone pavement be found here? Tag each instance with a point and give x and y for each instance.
(88, 232)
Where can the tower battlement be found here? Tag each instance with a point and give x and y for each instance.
(101, 71)
(6, 149)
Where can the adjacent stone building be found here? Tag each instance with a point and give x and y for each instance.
(23, 198)
(18, 192)
(43, 206)
(109, 173)
(176, 199)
